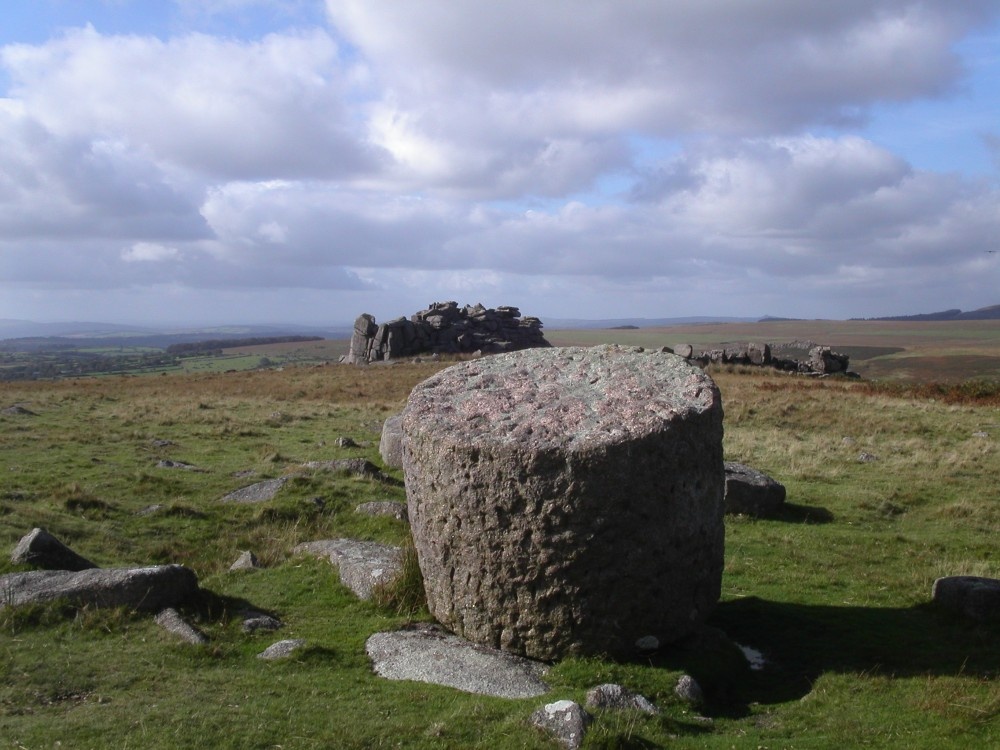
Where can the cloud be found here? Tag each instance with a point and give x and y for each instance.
(149, 252)
(221, 108)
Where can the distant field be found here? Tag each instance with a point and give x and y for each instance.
(920, 351)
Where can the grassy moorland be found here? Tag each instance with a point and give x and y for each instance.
(898, 350)
(834, 593)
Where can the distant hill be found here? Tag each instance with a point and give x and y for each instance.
(983, 313)
(625, 323)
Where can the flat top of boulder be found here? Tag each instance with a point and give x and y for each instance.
(559, 397)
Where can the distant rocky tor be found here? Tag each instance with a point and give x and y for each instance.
(820, 360)
(444, 328)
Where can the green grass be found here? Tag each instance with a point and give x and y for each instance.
(835, 592)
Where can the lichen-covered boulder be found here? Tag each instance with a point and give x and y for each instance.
(567, 501)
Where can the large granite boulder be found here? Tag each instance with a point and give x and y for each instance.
(567, 501)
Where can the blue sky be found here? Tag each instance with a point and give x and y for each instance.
(278, 161)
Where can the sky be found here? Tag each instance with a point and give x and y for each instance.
(198, 162)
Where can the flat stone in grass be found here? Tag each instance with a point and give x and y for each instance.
(751, 492)
(151, 588)
(428, 654)
(615, 697)
(567, 501)
(170, 620)
(362, 565)
(974, 597)
(256, 493)
(40, 549)
(282, 649)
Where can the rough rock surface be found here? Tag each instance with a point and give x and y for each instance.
(443, 327)
(752, 492)
(151, 588)
(254, 622)
(390, 446)
(565, 720)
(428, 654)
(362, 565)
(619, 698)
(975, 597)
(567, 501)
(170, 620)
(40, 549)
(688, 689)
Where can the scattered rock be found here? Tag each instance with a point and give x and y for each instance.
(170, 620)
(565, 720)
(383, 508)
(40, 549)
(752, 492)
(619, 698)
(390, 446)
(980, 434)
(360, 467)
(152, 588)
(282, 649)
(866, 458)
(150, 510)
(567, 501)
(166, 463)
(362, 565)
(688, 690)
(19, 411)
(256, 493)
(428, 654)
(346, 442)
(246, 561)
(974, 597)
(254, 622)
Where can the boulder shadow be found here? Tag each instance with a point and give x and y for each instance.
(808, 514)
(799, 642)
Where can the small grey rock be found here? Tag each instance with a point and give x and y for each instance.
(40, 549)
(254, 622)
(565, 720)
(246, 561)
(866, 458)
(19, 411)
(170, 620)
(688, 689)
(346, 442)
(282, 649)
(612, 696)
(362, 565)
(150, 510)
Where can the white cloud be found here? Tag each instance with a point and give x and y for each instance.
(149, 252)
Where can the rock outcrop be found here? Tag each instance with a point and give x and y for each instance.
(821, 360)
(567, 501)
(444, 328)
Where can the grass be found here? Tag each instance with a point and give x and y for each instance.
(834, 593)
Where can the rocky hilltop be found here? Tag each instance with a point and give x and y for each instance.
(444, 328)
